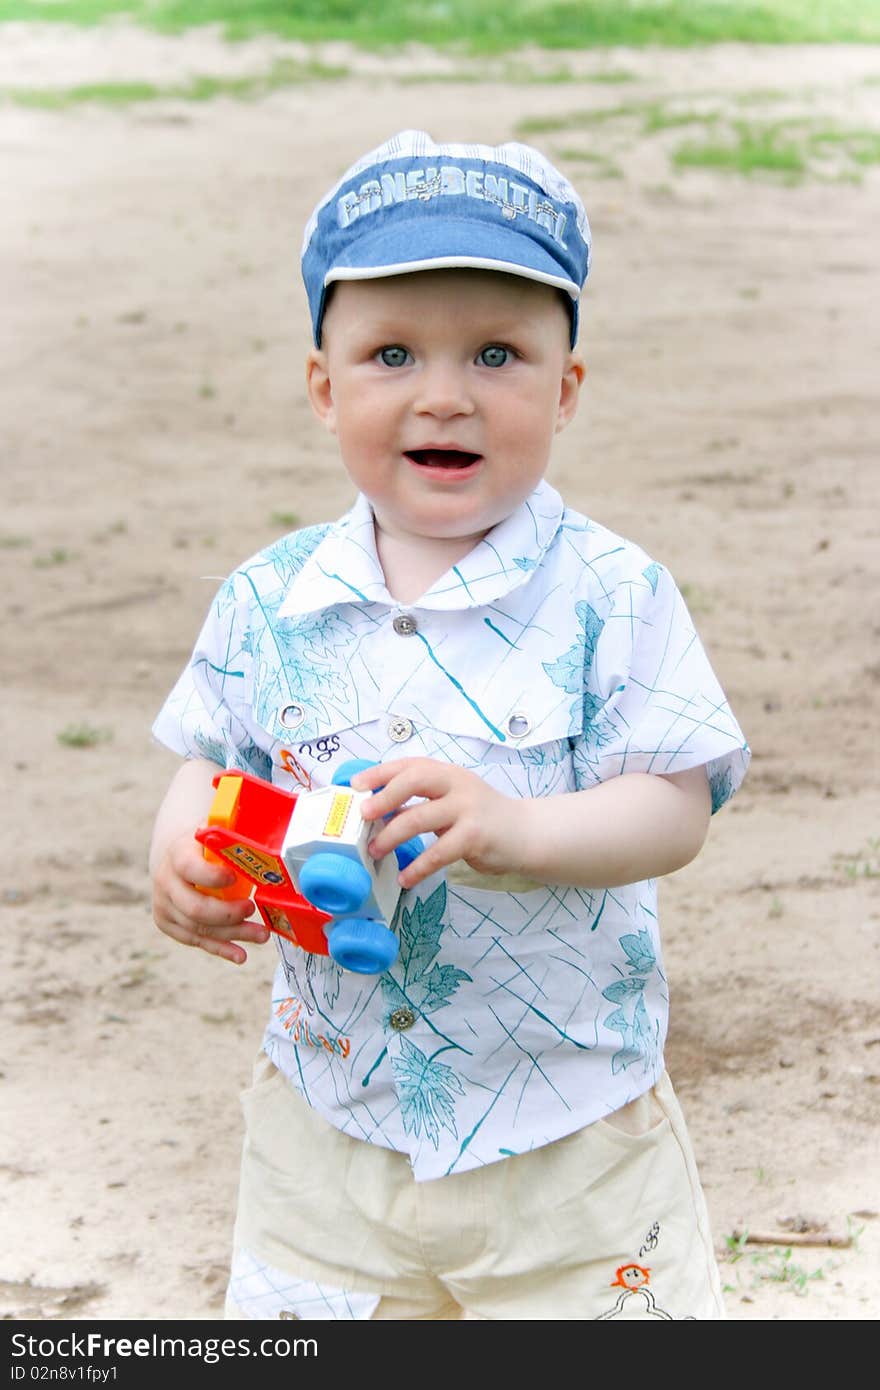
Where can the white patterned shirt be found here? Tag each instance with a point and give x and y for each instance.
(554, 656)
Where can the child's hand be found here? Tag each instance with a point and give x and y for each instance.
(471, 821)
(194, 918)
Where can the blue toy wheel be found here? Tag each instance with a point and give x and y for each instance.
(409, 850)
(358, 944)
(334, 883)
(344, 773)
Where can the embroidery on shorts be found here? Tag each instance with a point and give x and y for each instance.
(637, 1299)
(634, 1279)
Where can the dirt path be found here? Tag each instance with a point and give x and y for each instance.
(154, 432)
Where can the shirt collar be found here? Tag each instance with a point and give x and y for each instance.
(344, 567)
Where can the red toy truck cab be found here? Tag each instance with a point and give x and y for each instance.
(248, 802)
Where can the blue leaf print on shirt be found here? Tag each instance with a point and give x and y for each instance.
(643, 1037)
(289, 554)
(524, 562)
(255, 760)
(570, 670)
(640, 951)
(313, 672)
(652, 574)
(214, 749)
(423, 984)
(426, 1088)
(622, 990)
(721, 787)
(630, 1019)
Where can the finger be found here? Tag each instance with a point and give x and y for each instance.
(439, 855)
(210, 937)
(422, 778)
(224, 950)
(192, 864)
(188, 904)
(428, 817)
(376, 776)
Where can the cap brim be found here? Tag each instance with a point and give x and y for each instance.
(464, 244)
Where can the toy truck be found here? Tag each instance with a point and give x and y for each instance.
(304, 858)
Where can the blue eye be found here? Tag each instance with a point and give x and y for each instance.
(394, 356)
(494, 356)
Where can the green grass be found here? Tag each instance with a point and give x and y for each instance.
(600, 167)
(771, 1266)
(864, 864)
(491, 25)
(791, 149)
(58, 556)
(520, 74)
(649, 116)
(283, 73)
(83, 736)
(752, 149)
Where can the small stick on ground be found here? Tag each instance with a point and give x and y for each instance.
(792, 1238)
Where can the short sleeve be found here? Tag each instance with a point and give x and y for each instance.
(207, 714)
(652, 702)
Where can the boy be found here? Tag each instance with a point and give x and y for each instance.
(486, 1129)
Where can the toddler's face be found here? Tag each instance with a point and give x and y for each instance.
(445, 389)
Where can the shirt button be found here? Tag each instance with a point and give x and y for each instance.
(400, 729)
(292, 716)
(405, 625)
(518, 725)
(401, 1019)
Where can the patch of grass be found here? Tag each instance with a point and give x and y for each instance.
(865, 863)
(601, 168)
(284, 73)
(578, 120)
(105, 93)
(861, 146)
(83, 735)
(516, 74)
(14, 542)
(511, 74)
(752, 149)
(613, 76)
(650, 116)
(763, 96)
(57, 556)
(287, 519)
(491, 25)
(771, 1266)
(792, 149)
(657, 117)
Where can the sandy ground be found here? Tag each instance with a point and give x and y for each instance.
(155, 431)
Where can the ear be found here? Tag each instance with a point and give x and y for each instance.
(320, 389)
(569, 390)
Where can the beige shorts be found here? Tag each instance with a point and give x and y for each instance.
(609, 1222)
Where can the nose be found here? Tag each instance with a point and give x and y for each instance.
(443, 391)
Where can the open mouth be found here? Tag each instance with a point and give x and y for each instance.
(442, 458)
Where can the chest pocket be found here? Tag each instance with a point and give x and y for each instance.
(521, 747)
(441, 690)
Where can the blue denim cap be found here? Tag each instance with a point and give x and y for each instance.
(415, 205)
